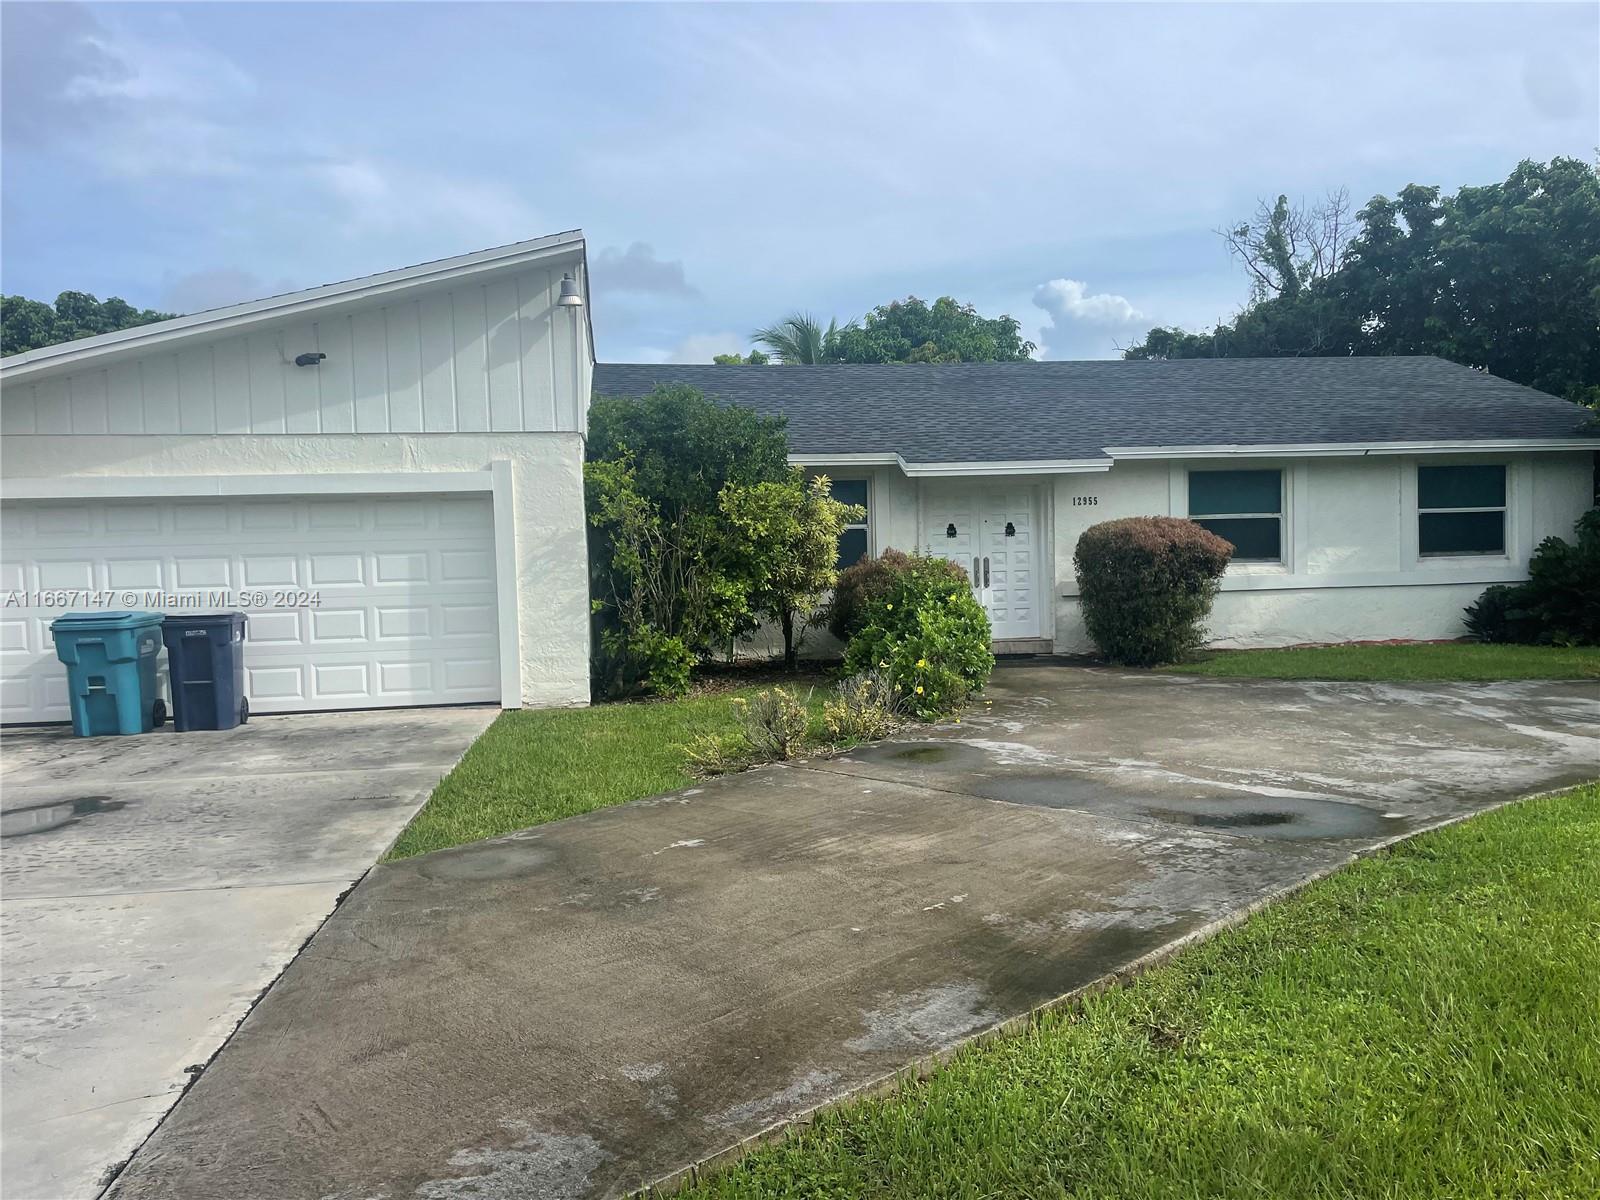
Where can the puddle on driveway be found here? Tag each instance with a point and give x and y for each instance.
(52, 814)
(970, 769)
(1289, 817)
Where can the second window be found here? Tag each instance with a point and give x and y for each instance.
(1242, 507)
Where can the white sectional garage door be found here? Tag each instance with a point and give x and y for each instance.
(353, 602)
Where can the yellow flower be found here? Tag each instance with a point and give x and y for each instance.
(922, 664)
(919, 689)
(890, 607)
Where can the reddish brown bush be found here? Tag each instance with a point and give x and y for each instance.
(1147, 584)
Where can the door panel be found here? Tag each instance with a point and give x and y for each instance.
(1004, 567)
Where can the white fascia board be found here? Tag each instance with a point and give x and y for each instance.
(144, 338)
(127, 487)
(1042, 466)
(1351, 450)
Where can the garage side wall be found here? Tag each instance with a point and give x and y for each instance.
(551, 554)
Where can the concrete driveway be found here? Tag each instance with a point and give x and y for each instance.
(192, 868)
(601, 1002)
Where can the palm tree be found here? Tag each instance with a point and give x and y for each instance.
(800, 338)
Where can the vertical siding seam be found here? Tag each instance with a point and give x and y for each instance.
(488, 390)
(211, 362)
(455, 362)
(550, 317)
(388, 382)
(316, 343)
(522, 350)
(144, 416)
(422, 382)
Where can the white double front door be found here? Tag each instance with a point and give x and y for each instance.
(992, 531)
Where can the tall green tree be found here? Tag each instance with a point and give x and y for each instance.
(754, 359)
(1505, 277)
(30, 324)
(800, 339)
(912, 330)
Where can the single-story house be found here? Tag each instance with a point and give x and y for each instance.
(1367, 498)
(387, 474)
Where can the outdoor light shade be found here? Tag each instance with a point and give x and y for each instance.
(570, 297)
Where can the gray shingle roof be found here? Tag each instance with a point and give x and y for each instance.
(1001, 412)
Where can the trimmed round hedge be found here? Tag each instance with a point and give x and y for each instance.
(1147, 584)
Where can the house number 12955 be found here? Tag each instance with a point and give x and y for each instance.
(1084, 501)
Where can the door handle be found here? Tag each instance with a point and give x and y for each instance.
(977, 580)
(985, 570)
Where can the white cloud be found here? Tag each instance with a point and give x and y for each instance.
(382, 198)
(1069, 300)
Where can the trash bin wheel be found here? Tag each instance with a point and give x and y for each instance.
(244, 710)
(158, 713)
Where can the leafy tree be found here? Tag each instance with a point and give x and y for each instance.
(800, 338)
(29, 324)
(912, 330)
(1504, 277)
(670, 572)
(789, 531)
(754, 359)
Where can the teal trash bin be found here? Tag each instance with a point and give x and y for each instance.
(111, 670)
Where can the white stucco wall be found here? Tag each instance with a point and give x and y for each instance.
(1351, 569)
(552, 585)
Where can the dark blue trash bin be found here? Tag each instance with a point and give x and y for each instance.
(111, 670)
(205, 666)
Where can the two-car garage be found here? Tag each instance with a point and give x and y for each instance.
(354, 601)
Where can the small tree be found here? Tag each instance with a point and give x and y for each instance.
(1147, 584)
(789, 540)
(667, 565)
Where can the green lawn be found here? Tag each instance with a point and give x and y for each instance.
(542, 765)
(1444, 660)
(1423, 1024)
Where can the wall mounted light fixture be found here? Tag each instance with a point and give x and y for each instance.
(309, 359)
(570, 296)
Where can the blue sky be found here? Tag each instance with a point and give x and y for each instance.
(731, 163)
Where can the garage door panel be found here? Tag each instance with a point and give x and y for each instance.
(404, 592)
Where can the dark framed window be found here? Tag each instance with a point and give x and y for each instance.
(1242, 507)
(1461, 509)
(853, 539)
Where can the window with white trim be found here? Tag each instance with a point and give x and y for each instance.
(1241, 507)
(1461, 510)
(853, 543)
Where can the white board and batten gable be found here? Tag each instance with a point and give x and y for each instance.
(473, 344)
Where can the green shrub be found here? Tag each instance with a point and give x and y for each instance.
(1147, 584)
(1559, 605)
(774, 722)
(863, 708)
(870, 581)
(928, 634)
(644, 657)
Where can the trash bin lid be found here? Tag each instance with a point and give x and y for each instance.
(203, 620)
(87, 622)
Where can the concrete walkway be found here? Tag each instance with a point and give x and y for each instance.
(597, 1003)
(190, 870)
